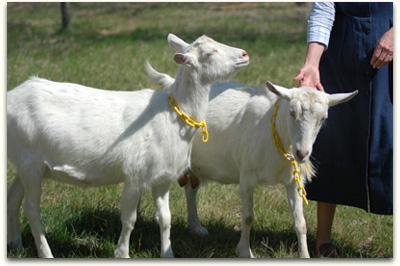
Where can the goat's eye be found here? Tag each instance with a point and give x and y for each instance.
(213, 52)
(293, 113)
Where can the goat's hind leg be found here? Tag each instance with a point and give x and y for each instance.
(296, 206)
(163, 217)
(15, 195)
(32, 182)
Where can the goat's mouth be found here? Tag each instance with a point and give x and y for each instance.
(301, 161)
(301, 157)
(243, 64)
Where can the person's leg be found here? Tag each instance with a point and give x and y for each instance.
(325, 215)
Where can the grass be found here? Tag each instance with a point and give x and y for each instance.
(106, 48)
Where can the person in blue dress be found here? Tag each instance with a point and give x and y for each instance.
(350, 47)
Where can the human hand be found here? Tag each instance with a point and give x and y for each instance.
(309, 73)
(383, 53)
(309, 76)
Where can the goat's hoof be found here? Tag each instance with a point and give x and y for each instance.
(168, 254)
(45, 254)
(121, 254)
(199, 230)
(244, 252)
(304, 256)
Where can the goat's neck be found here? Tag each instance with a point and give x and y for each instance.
(191, 93)
(282, 126)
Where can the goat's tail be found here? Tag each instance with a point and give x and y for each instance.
(160, 78)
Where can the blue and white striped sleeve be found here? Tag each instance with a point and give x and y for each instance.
(320, 22)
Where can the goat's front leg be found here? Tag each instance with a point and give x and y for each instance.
(193, 221)
(246, 195)
(163, 217)
(296, 206)
(129, 204)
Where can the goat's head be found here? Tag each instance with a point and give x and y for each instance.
(212, 60)
(306, 112)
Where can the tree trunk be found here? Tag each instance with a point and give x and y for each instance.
(65, 15)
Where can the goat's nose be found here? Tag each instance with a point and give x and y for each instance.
(244, 54)
(302, 155)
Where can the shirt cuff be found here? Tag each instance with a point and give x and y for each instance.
(318, 34)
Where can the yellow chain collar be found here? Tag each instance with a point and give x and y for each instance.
(288, 156)
(190, 121)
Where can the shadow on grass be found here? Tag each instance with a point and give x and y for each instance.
(94, 233)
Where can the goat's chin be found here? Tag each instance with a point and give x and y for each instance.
(301, 161)
(231, 71)
(230, 75)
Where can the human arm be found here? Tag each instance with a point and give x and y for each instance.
(320, 24)
(309, 73)
(383, 53)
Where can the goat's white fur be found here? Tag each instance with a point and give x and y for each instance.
(90, 137)
(242, 149)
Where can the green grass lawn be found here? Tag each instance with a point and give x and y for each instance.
(106, 47)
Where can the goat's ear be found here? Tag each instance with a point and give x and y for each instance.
(183, 59)
(337, 98)
(177, 43)
(280, 91)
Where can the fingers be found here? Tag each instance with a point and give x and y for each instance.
(304, 80)
(375, 57)
(299, 77)
(381, 59)
(309, 76)
(383, 53)
(320, 87)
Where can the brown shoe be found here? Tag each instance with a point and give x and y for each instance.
(327, 250)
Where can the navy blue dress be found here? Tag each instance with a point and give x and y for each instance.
(354, 150)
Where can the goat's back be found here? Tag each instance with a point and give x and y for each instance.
(91, 135)
(70, 113)
(238, 121)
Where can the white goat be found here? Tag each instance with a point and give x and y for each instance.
(89, 137)
(242, 149)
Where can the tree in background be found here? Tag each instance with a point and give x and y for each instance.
(65, 15)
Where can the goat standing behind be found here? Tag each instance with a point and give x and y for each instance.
(90, 137)
(242, 149)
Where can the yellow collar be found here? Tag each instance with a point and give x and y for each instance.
(290, 157)
(190, 121)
